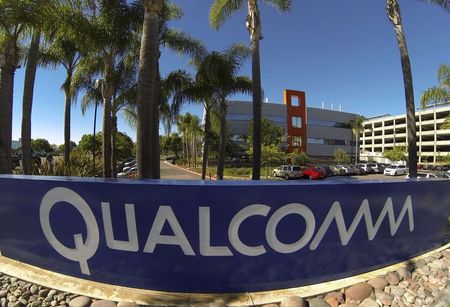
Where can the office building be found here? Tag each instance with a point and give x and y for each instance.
(318, 132)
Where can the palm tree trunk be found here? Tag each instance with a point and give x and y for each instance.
(207, 133)
(6, 104)
(147, 88)
(67, 124)
(155, 119)
(107, 171)
(222, 139)
(194, 145)
(393, 11)
(107, 94)
(114, 145)
(30, 76)
(254, 28)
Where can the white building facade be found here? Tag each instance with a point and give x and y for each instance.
(386, 132)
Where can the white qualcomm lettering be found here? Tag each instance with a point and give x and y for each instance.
(271, 228)
(82, 251)
(85, 250)
(204, 218)
(233, 230)
(155, 237)
(345, 234)
(132, 245)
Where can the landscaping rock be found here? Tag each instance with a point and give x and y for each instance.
(293, 301)
(368, 303)
(378, 283)
(384, 298)
(104, 303)
(80, 301)
(392, 278)
(358, 292)
(317, 302)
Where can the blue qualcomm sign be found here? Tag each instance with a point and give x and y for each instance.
(208, 237)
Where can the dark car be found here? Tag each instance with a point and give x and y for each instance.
(328, 171)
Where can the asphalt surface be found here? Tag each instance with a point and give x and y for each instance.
(169, 171)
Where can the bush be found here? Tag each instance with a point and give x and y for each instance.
(81, 165)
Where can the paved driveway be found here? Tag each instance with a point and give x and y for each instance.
(169, 171)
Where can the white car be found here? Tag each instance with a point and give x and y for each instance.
(396, 169)
(424, 175)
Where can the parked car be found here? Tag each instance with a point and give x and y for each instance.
(395, 169)
(377, 167)
(288, 172)
(337, 170)
(366, 167)
(361, 171)
(442, 174)
(424, 175)
(128, 172)
(328, 171)
(312, 172)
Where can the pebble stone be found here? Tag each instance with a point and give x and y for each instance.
(293, 301)
(358, 292)
(317, 302)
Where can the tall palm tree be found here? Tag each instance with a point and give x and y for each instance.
(220, 11)
(27, 102)
(147, 92)
(393, 12)
(438, 95)
(16, 17)
(156, 34)
(107, 35)
(64, 52)
(357, 128)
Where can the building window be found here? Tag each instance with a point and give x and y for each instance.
(297, 122)
(295, 101)
(296, 141)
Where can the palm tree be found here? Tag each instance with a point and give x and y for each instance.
(156, 33)
(393, 12)
(147, 92)
(440, 94)
(220, 11)
(64, 52)
(30, 76)
(16, 17)
(107, 35)
(219, 70)
(357, 127)
(124, 94)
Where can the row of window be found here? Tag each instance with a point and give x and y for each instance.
(246, 117)
(327, 123)
(331, 142)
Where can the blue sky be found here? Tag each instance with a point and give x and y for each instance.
(337, 51)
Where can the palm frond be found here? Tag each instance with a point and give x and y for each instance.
(445, 4)
(183, 43)
(281, 5)
(444, 75)
(434, 96)
(223, 9)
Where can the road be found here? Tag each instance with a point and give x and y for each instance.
(169, 171)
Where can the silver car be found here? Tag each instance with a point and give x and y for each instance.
(287, 172)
